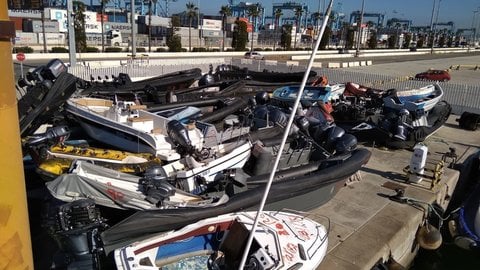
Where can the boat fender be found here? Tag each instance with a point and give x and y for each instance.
(179, 135)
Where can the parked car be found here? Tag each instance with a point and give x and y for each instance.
(254, 55)
(434, 75)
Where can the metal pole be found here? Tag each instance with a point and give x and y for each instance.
(45, 50)
(359, 38)
(71, 34)
(285, 136)
(15, 242)
(132, 21)
(431, 26)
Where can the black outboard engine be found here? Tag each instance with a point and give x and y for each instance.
(335, 140)
(76, 227)
(262, 98)
(53, 135)
(208, 78)
(345, 144)
(155, 185)
(303, 124)
(179, 135)
(53, 69)
(401, 130)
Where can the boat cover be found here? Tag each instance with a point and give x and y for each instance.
(106, 187)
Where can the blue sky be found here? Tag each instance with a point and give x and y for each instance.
(419, 11)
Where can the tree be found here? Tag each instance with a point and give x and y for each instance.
(420, 41)
(191, 13)
(79, 26)
(441, 41)
(298, 15)
(102, 12)
(392, 41)
(239, 40)
(278, 14)
(408, 39)
(325, 38)
(316, 18)
(225, 11)
(372, 41)
(174, 41)
(286, 38)
(350, 38)
(253, 12)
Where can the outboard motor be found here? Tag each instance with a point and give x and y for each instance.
(262, 98)
(276, 116)
(53, 135)
(179, 135)
(330, 137)
(345, 144)
(303, 124)
(155, 185)
(76, 227)
(401, 132)
(53, 69)
(208, 78)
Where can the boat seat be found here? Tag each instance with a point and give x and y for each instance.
(139, 119)
(234, 243)
(137, 107)
(157, 131)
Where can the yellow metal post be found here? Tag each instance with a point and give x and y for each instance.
(15, 243)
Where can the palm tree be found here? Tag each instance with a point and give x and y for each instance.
(225, 11)
(278, 14)
(253, 11)
(191, 13)
(298, 15)
(316, 17)
(102, 7)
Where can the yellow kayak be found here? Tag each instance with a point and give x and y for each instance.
(60, 157)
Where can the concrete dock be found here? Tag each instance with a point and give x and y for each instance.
(368, 228)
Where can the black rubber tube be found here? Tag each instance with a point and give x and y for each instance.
(220, 114)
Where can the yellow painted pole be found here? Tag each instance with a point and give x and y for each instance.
(15, 243)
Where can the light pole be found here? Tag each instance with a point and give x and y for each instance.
(431, 26)
(359, 37)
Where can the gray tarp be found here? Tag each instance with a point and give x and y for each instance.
(106, 187)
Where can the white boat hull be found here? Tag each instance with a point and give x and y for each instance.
(282, 240)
